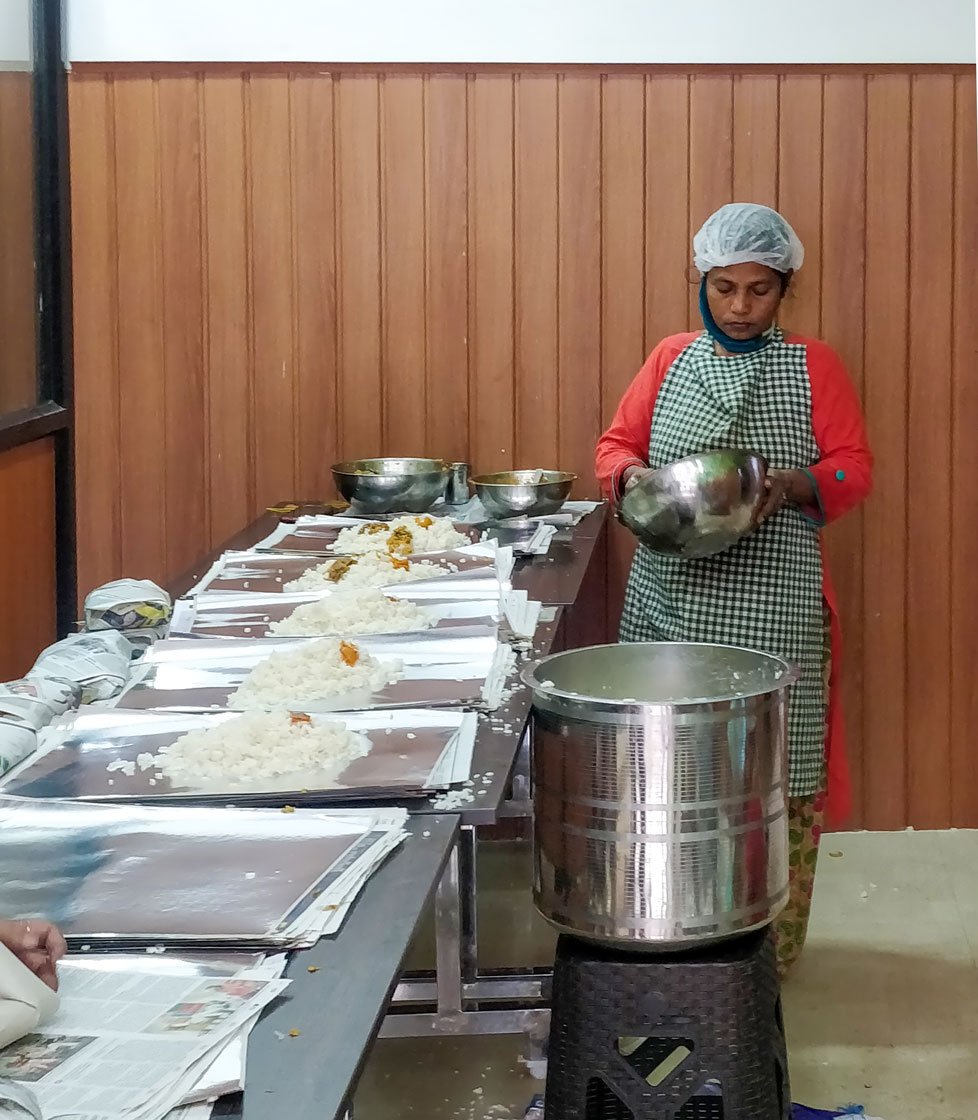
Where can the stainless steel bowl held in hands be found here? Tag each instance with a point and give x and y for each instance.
(392, 485)
(697, 506)
(535, 493)
(660, 792)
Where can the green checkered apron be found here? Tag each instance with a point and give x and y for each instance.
(765, 593)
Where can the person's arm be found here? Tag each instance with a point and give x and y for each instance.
(624, 447)
(843, 476)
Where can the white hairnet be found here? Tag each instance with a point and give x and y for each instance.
(745, 233)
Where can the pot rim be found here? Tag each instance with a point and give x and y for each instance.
(528, 675)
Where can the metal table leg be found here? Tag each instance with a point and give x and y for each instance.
(469, 902)
(449, 957)
(464, 1001)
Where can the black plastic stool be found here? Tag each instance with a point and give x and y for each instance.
(696, 1036)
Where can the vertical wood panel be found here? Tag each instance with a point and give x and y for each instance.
(360, 414)
(446, 253)
(230, 419)
(884, 747)
(623, 166)
(536, 269)
(313, 118)
(929, 421)
(843, 309)
(964, 467)
(142, 395)
(667, 251)
(27, 560)
(270, 210)
(403, 209)
(755, 142)
(491, 390)
(96, 366)
(18, 360)
(183, 327)
(710, 160)
(579, 292)
(800, 191)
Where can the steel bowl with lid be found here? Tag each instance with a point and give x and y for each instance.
(697, 506)
(535, 493)
(379, 486)
(660, 786)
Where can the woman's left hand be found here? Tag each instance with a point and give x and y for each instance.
(783, 487)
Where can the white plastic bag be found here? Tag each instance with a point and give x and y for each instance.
(17, 740)
(127, 604)
(98, 662)
(38, 700)
(25, 707)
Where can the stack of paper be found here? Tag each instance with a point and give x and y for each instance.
(125, 1044)
(126, 876)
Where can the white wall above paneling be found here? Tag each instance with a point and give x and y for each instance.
(792, 32)
(15, 35)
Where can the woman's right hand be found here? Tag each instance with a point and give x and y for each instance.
(632, 476)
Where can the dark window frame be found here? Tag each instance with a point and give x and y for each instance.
(52, 415)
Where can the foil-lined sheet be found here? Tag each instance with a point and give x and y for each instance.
(132, 875)
(410, 752)
(480, 571)
(528, 536)
(250, 614)
(172, 963)
(318, 533)
(464, 667)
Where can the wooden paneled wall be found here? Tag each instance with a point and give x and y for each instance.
(275, 270)
(27, 559)
(18, 364)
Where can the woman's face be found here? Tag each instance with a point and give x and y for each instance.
(744, 299)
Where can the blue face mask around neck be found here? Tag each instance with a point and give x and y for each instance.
(733, 345)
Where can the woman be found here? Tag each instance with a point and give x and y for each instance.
(745, 383)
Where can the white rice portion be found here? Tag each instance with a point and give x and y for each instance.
(259, 748)
(438, 536)
(361, 610)
(371, 570)
(314, 672)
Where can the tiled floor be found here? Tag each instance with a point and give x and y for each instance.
(883, 1009)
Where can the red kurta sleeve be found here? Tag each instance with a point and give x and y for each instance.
(844, 473)
(626, 442)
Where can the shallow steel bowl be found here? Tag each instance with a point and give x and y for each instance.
(392, 485)
(523, 493)
(697, 506)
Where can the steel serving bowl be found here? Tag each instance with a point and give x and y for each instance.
(392, 485)
(523, 493)
(697, 506)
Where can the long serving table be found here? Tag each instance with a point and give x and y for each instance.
(440, 859)
(337, 1001)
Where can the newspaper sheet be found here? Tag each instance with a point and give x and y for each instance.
(128, 1044)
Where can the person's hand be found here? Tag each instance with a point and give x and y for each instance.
(37, 944)
(632, 476)
(782, 487)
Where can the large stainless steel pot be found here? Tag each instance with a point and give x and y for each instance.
(660, 792)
